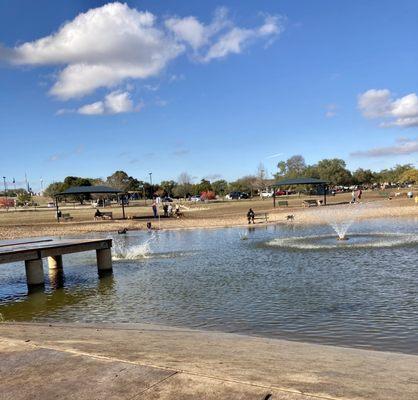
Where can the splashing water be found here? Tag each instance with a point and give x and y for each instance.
(243, 235)
(143, 250)
(341, 217)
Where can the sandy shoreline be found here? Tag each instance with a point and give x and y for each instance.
(202, 218)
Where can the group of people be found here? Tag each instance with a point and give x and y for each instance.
(168, 210)
(356, 195)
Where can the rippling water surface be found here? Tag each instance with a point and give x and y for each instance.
(255, 281)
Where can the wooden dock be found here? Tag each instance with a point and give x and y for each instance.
(32, 251)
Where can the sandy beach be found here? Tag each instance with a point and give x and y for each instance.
(42, 222)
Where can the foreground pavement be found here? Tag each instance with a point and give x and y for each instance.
(124, 361)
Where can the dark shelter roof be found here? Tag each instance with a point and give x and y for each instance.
(90, 190)
(301, 181)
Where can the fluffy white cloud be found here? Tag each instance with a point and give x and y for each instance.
(195, 33)
(101, 48)
(401, 112)
(403, 146)
(107, 45)
(114, 103)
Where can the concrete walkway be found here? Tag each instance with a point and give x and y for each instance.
(41, 361)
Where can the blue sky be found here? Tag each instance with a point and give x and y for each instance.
(221, 88)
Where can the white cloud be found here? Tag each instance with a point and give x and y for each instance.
(401, 112)
(101, 48)
(116, 102)
(235, 40)
(331, 110)
(403, 146)
(274, 155)
(96, 108)
(107, 45)
(188, 29)
(196, 34)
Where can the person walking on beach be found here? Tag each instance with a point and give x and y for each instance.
(250, 216)
(154, 209)
(353, 196)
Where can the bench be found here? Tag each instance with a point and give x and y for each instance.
(263, 216)
(283, 203)
(105, 215)
(310, 203)
(66, 217)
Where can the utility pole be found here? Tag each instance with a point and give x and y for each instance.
(150, 178)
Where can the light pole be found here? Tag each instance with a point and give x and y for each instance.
(150, 178)
(5, 192)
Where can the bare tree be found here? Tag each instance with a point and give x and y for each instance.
(261, 177)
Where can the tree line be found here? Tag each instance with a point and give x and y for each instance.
(333, 171)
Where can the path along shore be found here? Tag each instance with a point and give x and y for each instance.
(141, 361)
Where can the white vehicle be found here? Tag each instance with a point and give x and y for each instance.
(195, 198)
(266, 193)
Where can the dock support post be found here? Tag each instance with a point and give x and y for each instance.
(34, 273)
(104, 260)
(55, 262)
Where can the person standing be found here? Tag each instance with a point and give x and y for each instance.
(154, 209)
(353, 196)
(359, 194)
(250, 216)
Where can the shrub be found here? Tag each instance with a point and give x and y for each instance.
(208, 195)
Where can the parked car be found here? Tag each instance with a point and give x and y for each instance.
(195, 198)
(233, 196)
(237, 196)
(281, 193)
(51, 204)
(266, 193)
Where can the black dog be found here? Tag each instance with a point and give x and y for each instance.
(290, 217)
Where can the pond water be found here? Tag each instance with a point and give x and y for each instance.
(281, 281)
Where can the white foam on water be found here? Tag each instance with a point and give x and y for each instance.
(142, 250)
(377, 240)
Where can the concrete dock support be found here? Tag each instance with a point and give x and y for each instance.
(34, 273)
(104, 260)
(55, 262)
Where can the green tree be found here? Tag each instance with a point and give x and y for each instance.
(293, 167)
(394, 174)
(203, 186)
(23, 199)
(220, 187)
(53, 189)
(168, 187)
(245, 184)
(334, 171)
(184, 186)
(363, 176)
(409, 176)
